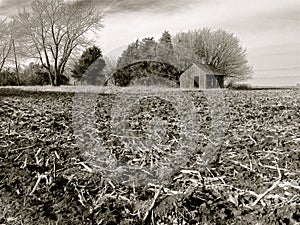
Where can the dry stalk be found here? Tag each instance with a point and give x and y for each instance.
(54, 168)
(288, 184)
(56, 154)
(191, 172)
(37, 183)
(25, 163)
(36, 157)
(8, 129)
(251, 138)
(19, 156)
(269, 189)
(85, 167)
(271, 167)
(22, 148)
(153, 203)
(111, 184)
(241, 165)
(124, 198)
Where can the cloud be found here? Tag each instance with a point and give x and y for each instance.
(10, 8)
(276, 19)
(158, 6)
(128, 6)
(253, 21)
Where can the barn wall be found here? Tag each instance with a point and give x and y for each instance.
(211, 81)
(202, 79)
(186, 80)
(205, 79)
(187, 77)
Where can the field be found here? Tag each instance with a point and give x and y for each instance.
(229, 157)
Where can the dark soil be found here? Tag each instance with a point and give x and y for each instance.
(249, 175)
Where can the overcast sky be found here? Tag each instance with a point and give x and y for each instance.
(269, 29)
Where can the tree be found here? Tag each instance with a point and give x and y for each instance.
(166, 49)
(16, 48)
(109, 69)
(5, 42)
(146, 58)
(129, 56)
(90, 66)
(220, 49)
(53, 30)
(148, 49)
(166, 39)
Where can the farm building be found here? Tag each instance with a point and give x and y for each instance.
(201, 76)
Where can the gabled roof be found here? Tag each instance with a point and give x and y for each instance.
(210, 70)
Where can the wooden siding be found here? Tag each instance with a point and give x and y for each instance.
(187, 77)
(207, 78)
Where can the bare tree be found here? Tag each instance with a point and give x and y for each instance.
(53, 30)
(109, 69)
(5, 42)
(218, 48)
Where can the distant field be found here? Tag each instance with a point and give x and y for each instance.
(280, 80)
(253, 177)
(62, 88)
(110, 89)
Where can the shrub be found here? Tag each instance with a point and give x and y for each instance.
(8, 78)
(135, 71)
(238, 86)
(35, 74)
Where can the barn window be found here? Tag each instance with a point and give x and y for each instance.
(196, 81)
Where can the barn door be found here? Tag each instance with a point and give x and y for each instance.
(196, 81)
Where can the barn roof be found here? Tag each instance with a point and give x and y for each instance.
(210, 70)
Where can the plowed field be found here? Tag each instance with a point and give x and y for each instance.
(237, 164)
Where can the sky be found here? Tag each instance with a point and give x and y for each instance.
(268, 29)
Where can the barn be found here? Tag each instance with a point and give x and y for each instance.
(201, 76)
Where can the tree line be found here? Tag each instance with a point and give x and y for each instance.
(219, 49)
(52, 32)
(55, 32)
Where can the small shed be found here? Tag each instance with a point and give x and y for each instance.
(201, 76)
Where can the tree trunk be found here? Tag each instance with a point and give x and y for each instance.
(50, 78)
(2, 65)
(16, 61)
(56, 78)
